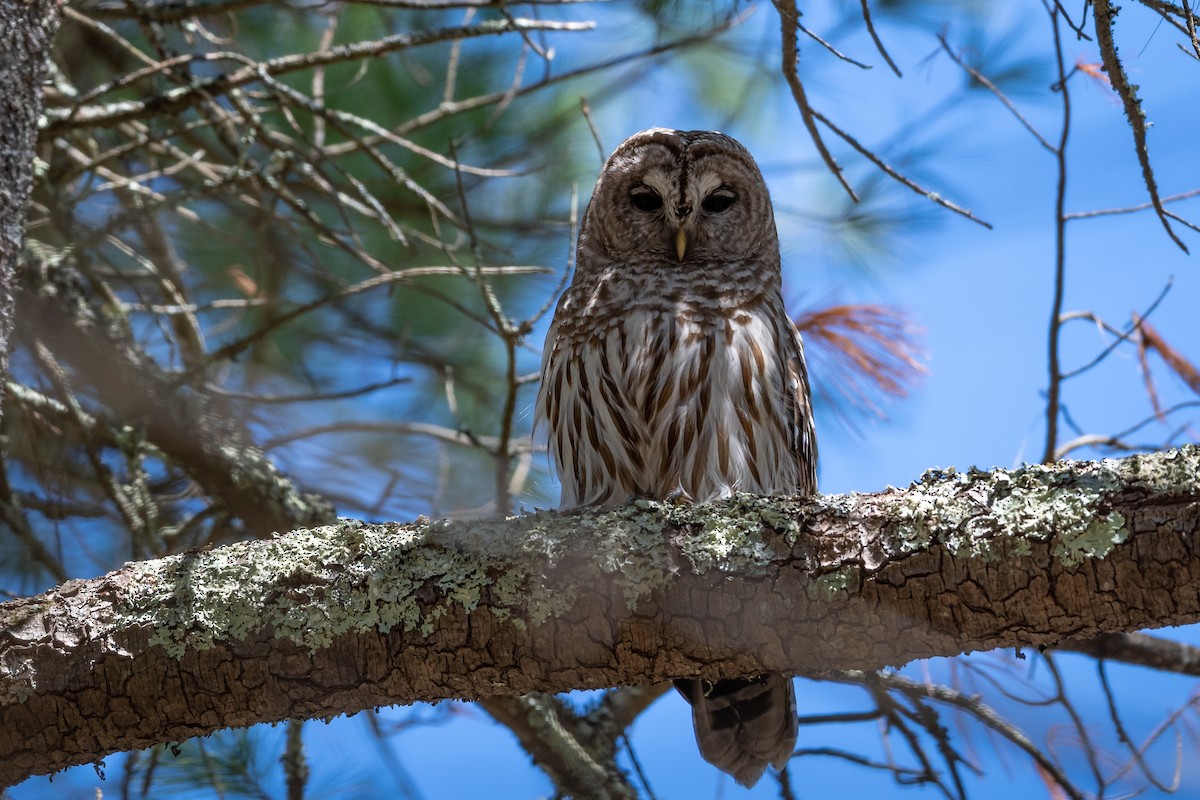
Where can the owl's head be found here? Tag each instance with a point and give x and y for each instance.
(686, 198)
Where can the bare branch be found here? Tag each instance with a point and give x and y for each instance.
(1104, 14)
(887, 168)
(984, 713)
(176, 100)
(986, 82)
(1131, 209)
(837, 53)
(1130, 330)
(866, 15)
(789, 19)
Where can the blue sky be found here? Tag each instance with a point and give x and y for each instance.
(982, 297)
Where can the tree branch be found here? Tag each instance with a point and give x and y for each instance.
(1142, 650)
(1104, 13)
(190, 427)
(345, 617)
(549, 732)
(183, 97)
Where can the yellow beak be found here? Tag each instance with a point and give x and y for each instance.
(680, 243)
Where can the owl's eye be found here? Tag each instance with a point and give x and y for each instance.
(645, 199)
(718, 201)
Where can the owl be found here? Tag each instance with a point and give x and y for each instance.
(672, 371)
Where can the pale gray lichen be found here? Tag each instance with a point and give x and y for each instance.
(315, 585)
(994, 515)
(309, 587)
(1097, 540)
(829, 586)
(1170, 472)
(632, 550)
(739, 535)
(21, 677)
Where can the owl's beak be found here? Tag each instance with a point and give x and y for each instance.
(681, 242)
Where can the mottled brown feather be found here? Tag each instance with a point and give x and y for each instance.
(683, 377)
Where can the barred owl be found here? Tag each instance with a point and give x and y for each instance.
(672, 371)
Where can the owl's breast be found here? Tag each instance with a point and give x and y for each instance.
(669, 395)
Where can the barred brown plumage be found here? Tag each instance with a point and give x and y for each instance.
(672, 371)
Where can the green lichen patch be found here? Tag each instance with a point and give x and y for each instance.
(836, 585)
(738, 535)
(631, 550)
(1097, 540)
(1169, 472)
(993, 515)
(315, 585)
(308, 587)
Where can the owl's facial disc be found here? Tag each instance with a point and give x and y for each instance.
(689, 196)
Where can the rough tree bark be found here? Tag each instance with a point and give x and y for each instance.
(26, 31)
(336, 619)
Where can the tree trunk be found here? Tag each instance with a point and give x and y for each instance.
(337, 619)
(26, 31)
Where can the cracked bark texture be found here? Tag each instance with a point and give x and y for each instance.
(345, 617)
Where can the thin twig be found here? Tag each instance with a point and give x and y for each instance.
(1103, 13)
(1168, 12)
(1116, 440)
(866, 15)
(984, 81)
(429, 430)
(790, 23)
(917, 776)
(176, 100)
(986, 715)
(572, 241)
(587, 115)
(1089, 749)
(1054, 366)
(1130, 209)
(313, 397)
(838, 53)
(887, 168)
(1124, 336)
(235, 348)
(1123, 735)
(1080, 33)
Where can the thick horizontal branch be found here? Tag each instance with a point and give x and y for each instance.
(345, 617)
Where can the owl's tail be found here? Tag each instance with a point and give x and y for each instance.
(743, 725)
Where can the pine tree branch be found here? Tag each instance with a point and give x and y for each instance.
(190, 427)
(336, 619)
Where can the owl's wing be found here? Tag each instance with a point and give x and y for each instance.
(550, 365)
(596, 437)
(547, 413)
(801, 430)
